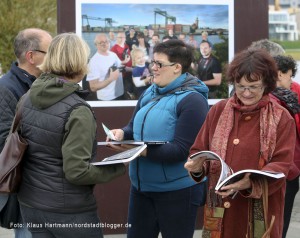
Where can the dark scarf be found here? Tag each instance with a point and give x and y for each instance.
(289, 98)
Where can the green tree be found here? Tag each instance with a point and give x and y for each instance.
(17, 15)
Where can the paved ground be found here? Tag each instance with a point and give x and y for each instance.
(293, 232)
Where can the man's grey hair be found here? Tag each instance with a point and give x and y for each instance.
(26, 40)
(273, 48)
(99, 35)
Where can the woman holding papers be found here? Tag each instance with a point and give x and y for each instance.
(249, 131)
(163, 197)
(60, 128)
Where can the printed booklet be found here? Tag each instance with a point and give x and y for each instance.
(132, 142)
(113, 141)
(123, 157)
(227, 176)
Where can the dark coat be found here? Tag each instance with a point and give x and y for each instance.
(13, 86)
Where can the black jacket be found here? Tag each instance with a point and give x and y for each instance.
(13, 86)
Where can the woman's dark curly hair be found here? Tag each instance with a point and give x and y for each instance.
(253, 65)
(285, 63)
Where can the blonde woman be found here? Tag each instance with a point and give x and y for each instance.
(57, 185)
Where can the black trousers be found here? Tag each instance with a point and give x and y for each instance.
(292, 187)
(173, 213)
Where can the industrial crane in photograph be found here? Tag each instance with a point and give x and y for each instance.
(108, 21)
(164, 14)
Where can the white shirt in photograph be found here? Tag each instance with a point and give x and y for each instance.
(98, 69)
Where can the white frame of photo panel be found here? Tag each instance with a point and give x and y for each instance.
(181, 13)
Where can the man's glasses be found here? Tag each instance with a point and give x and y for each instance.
(102, 43)
(41, 51)
(160, 65)
(251, 89)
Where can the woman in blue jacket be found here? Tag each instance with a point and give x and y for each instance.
(163, 198)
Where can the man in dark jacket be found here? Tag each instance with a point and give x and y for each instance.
(209, 69)
(30, 47)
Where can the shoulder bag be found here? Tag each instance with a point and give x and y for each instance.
(11, 156)
(10, 173)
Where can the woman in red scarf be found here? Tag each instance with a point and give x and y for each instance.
(249, 131)
(287, 95)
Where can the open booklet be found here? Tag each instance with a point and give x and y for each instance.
(123, 157)
(132, 142)
(113, 141)
(227, 176)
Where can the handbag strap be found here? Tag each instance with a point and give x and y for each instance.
(251, 229)
(17, 118)
(265, 195)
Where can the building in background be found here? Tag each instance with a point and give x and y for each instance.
(285, 3)
(284, 19)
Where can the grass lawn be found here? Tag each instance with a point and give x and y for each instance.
(292, 48)
(295, 53)
(289, 44)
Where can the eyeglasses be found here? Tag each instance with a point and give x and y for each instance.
(251, 89)
(102, 43)
(41, 51)
(160, 65)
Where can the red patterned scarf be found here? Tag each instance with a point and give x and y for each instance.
(269, 119)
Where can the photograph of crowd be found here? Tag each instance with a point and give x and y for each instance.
(122, 36)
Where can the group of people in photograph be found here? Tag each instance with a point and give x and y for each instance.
(127, 86)
(255, 128)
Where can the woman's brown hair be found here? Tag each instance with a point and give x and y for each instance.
(253, 65)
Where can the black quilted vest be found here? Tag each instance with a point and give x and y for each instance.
(44, 185)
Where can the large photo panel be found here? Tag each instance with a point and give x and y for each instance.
(105, 23)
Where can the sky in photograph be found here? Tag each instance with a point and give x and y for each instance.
(212, 16)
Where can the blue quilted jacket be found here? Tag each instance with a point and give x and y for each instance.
(156, 120)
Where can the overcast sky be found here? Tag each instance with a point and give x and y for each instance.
(213, 16)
